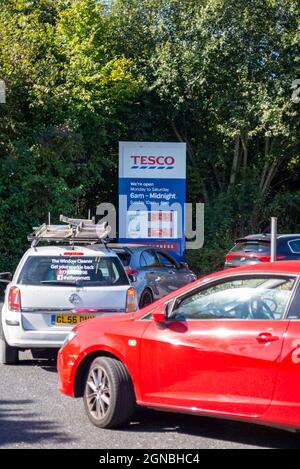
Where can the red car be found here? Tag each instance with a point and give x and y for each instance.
(227, 345)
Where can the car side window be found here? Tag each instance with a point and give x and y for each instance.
(148, 259)
(245, 298)
(294, 246)
(294, 310)
(165, 261)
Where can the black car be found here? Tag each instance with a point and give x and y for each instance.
(256, 248)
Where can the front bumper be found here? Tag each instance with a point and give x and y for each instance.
(66, 365)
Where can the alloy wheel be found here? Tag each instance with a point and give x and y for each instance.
(98, 393)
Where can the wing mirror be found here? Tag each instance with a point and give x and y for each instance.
(160, 313)
(6, 277)
(132, 278)
(132, 275)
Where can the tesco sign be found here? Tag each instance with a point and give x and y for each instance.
(152, 160)
(149, 160)
(152, 186)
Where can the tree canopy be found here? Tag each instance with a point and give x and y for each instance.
(83, 74)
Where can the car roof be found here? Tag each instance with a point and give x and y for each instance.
(265, 237)
(280, 267)
(129, 247)
(90, 250)
(274, 268)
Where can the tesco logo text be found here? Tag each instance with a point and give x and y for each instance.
(152, 162)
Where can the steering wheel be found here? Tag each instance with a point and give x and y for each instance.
(273, 305)
(216, 309)
(259, 309)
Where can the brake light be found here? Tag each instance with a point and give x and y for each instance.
(73, 253)
(14, 299)
(254, 257)
(132, 273)
(268, 258)
(264, 258)
(131, 300)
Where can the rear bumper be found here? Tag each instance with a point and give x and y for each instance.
(19, 331)
(17, 336)
(229, 265)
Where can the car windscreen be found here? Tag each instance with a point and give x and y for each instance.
(64, 270)
(260, 247)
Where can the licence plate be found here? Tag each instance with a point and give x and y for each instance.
(69, 319)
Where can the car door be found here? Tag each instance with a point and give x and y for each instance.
(176, 275)
(169, 272)
(286, 400)
(220, 350)
(149, 269)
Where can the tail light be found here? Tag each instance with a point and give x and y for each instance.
(132, 274)
(73, 253)
(131, 300)
(268, 258)
(14, 299)
(264, 258)
(253, 257)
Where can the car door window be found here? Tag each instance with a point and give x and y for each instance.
(245, 298)
(295, 246)
(148, 259)
(165, 261)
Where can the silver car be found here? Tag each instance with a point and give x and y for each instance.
(56, 287)
(153, 272)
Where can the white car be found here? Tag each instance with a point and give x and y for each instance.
(55, 288)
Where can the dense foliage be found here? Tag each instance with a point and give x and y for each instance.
(83, 74)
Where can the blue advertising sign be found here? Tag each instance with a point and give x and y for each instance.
(152, 187)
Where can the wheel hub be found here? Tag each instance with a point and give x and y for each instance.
(98, 393)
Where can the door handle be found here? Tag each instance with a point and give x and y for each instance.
(266, 337)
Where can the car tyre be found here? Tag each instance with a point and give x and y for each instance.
(146, 299)
(109, 398)
(8, 355)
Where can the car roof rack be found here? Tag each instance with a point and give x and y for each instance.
(74, 230)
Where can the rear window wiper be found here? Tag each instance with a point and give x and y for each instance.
(61, 282)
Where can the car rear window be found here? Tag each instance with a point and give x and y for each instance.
(125, 258)
(84, 270)
(252, 246)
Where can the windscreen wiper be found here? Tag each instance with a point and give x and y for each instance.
(61, 282)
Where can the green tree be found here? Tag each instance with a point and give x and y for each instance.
(67, 101)
(83, 74)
